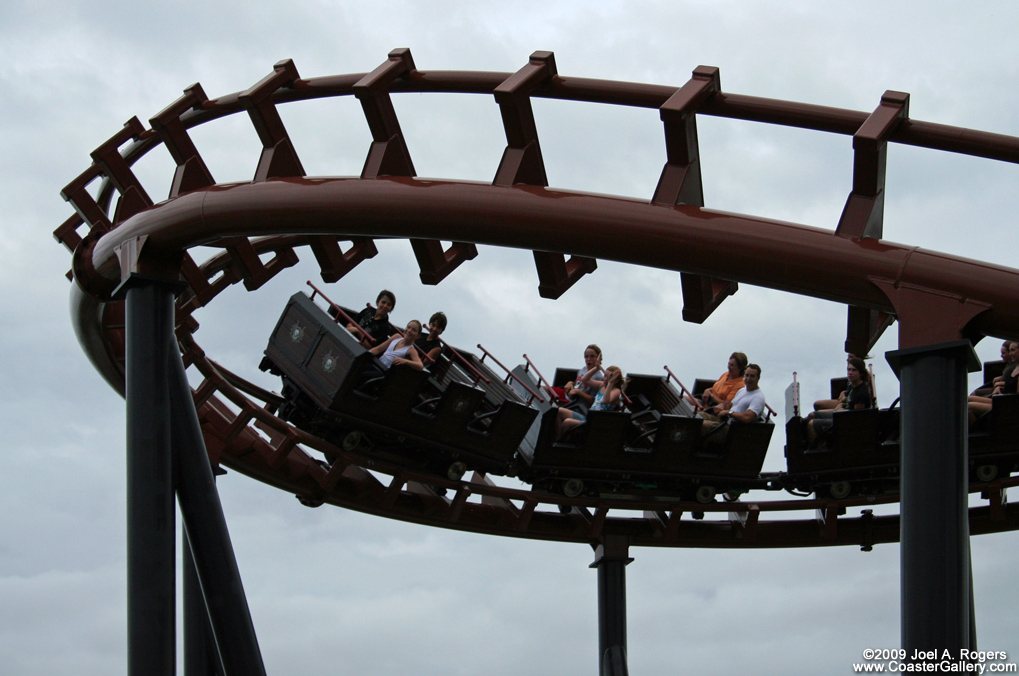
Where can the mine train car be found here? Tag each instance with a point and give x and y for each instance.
(655, 446)
(443, 421)
(859, 455)
(458, 415)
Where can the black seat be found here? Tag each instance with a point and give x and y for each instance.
(454, 409)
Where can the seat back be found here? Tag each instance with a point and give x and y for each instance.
(512, 421)
(674, 451)
(605, 437)
(563, 376)
(1005, 419)
(400, 388)
(455, 408)
(746, 445)
(595, 445)
(855, 432)
(701, 384)
(993, 369)
(838, 386)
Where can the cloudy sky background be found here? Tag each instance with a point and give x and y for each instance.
(333, 591)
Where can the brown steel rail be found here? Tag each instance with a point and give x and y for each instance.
(979, 296)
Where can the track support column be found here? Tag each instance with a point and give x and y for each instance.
(215, 565)
(934, 525)
(611, 555)
(201, 657)
(151, 538)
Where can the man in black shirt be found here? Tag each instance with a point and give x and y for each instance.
(430, 343)
(375, 322)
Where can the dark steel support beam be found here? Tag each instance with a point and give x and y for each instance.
(522, 163)
(279, 157)
(133, 197)
(972, 609)
(864, 328)
(200, 655)
(680, 182)
(334, 262)
(863, 215)
(206, 529)
(611, 555)
(192, 173)
(389, 154)
(151, 546)
(935, 556)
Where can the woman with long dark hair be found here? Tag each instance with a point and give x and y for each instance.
(857, 395)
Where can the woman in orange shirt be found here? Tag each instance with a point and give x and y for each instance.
(726, 387)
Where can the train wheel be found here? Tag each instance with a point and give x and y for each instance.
(456, 471)
(573, 488)
(839, 490)
(706, 494)
(352, 440)
(987, 472)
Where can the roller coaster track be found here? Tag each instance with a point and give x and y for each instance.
(260, 225)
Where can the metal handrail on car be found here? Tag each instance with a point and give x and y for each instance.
(796, 396)
(873, 388)
(682, 388)
(340, 313)
(478, 375)
(510, 374)
(541, 379)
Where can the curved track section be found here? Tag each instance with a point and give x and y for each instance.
(260, 225)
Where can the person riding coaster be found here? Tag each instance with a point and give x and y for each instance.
(857, 395)
(608, 398)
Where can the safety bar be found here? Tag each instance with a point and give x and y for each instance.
(340, 313)
(682, 388)
(510, 374)
(796, 397)
(460, 358)
(873, 388)
(541, 379)
(478, 375)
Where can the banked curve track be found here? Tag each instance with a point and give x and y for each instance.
(258, 227)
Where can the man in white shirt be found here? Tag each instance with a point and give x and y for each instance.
(747, 406)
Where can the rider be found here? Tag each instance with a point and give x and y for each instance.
(375, 322)
(746, 407)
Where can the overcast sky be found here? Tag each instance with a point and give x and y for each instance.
(336, 592)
